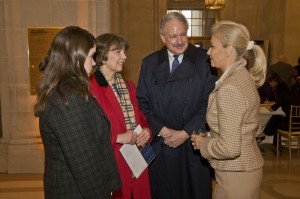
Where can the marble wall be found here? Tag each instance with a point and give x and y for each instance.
(21, 149)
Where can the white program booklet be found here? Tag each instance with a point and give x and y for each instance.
(133, 156)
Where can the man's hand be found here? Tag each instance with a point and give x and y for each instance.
(166, 132)
(176, 139)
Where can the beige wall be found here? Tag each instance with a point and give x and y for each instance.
(292, 31)
(273, 20)
(21, 149)
(138, 22)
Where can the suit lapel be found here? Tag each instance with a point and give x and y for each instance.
(162, 72)
(184, 70)
(163, 75)
(227, 74)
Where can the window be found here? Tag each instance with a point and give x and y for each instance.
(200, 21)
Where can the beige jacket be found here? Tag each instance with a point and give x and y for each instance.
(232, 115)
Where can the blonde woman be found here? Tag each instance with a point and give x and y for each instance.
(232, 113)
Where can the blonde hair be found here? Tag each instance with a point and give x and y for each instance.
(237, 35)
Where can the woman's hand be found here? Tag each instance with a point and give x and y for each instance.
(197, 141)
(129, 137)
(143, 137)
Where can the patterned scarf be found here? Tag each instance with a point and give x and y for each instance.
(121, 93)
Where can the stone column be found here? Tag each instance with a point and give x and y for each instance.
(21, 149)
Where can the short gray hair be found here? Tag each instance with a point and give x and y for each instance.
(171, 16)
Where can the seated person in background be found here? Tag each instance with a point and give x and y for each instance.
(284, 98)
(285, 70)
(267, 90)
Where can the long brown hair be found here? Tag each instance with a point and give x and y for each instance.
(65, 59)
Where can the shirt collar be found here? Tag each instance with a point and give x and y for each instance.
(171, 58)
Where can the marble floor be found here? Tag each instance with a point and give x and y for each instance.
(280, 180)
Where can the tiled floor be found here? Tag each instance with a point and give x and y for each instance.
(21, 186)
(280, 180)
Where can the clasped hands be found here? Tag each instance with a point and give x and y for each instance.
(131, 137)
(173, 138)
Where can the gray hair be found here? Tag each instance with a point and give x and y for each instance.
(171, 16)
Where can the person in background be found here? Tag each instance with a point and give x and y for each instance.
(232, 113)
(267, 91)
(285, 97)
(173, 88)
(296, 86)
(298, 67)
(285, 70)
(117, 96)
(79, 160)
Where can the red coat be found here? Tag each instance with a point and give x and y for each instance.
(106, 98)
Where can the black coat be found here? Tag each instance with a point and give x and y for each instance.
(79, 161)
(177, 101)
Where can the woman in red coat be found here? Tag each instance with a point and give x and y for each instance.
(118, 99)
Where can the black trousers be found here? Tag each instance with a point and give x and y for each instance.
(276, 122)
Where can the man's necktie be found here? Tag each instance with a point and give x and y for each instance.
(175, 63)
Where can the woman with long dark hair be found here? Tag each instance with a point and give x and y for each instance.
(79, 160)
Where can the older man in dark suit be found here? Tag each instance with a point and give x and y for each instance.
(173, 90)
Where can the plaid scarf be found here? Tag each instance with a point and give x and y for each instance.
(121, 93)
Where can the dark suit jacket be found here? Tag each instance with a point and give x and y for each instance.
(79, 161)
(177, 101)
